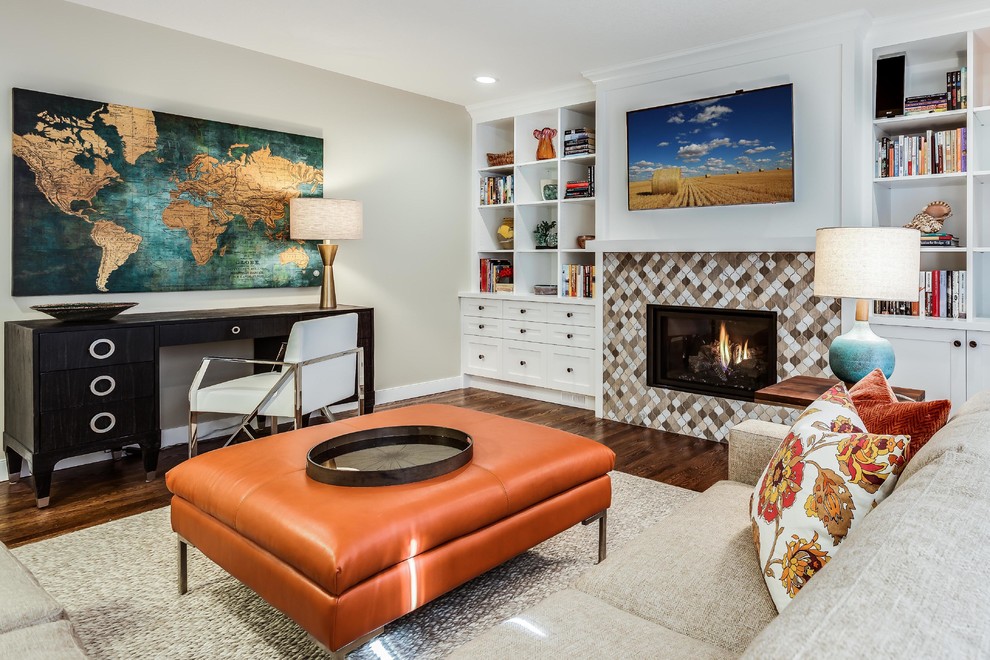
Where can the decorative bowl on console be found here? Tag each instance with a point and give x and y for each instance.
(83, 311)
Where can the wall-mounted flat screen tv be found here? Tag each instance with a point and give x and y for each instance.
(717, 151)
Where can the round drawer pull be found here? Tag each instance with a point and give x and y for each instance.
(522, 311)
(570, 370)
(481, 307)
(481, 326)
(236, 330)
(972, 343)
(95, 346)
(481, 357)
(570, 315)
(957, 343)
(107, 418)
(522, 363)
(522, 331)
(94, 385)
(570, 336)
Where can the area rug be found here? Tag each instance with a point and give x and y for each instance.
(117, 582)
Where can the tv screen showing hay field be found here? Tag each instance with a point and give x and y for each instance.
(719, 151)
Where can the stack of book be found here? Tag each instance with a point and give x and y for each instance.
(577, 281)
(579, 141)
(496, 276)
(940, 239)
(934, 152)
(496, 189)
(955, 89)
(581, 188)
(941, 294)
(919, 105)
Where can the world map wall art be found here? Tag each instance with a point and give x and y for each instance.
(110, 198)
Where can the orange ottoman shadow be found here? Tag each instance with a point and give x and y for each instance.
(344, 561)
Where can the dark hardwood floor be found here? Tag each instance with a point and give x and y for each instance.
(100, 492)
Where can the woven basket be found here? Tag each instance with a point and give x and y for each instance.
(494, 160)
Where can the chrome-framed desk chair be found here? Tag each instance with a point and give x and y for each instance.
(321, 358)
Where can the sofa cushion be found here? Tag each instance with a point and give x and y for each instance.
(968, 432)
(824, 478)
(47, 641)
(572, 624)
(911, 581)
(694, 573)
(23, 602)
(882, 413)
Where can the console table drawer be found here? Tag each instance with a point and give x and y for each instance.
(88, 387)
(78, 426)
(91, 348)
(223, 330)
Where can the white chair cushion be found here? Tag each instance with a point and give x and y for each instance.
(241, 395)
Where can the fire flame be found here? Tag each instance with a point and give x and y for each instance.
(729, 353)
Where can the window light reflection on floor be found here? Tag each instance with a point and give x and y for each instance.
(379, 650)
(527, 626)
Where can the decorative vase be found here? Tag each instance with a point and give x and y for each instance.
(505, 235)
(548, 188)
(544, 149)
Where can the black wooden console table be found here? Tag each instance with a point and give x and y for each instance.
(71, 388)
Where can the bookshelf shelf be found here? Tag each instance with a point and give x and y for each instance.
(496, 169)
(912, 123)
(945, 249)
(957, 178)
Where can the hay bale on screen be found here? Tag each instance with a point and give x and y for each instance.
(667, 181)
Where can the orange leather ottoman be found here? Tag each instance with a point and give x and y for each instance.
(342, 561)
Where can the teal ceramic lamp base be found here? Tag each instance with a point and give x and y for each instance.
(858, 352)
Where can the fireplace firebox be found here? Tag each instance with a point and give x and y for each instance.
(726, 352)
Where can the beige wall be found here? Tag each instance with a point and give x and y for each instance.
(405, 156)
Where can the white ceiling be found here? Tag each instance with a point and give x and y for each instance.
(437, 47)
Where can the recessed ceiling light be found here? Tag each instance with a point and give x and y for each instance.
(486, 80)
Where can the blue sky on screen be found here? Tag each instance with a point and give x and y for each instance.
(739, 132)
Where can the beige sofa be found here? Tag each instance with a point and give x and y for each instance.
(33, 626)
(912, 580)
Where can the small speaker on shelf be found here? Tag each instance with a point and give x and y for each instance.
(890, 86)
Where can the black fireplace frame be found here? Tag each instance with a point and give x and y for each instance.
(656, 329)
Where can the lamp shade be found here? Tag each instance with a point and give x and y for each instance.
(878, 263)
(318, 218)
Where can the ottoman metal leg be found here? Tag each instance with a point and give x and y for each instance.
(602, 518)
(342, 652)
(183, 564)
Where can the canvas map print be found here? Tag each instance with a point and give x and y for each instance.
(734, 149)
(111, 198)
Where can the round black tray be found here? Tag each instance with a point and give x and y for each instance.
(83, 311)
(388, 456)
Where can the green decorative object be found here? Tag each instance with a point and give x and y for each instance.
(112, 198)
(546, 235)
(548, 188)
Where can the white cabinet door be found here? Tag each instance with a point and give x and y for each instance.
(523, 362)
(570, 369)
(930, 359)
(481, 356)
(977, 362)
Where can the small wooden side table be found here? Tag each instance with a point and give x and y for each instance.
(801, 391)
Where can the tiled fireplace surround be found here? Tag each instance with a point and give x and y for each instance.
(778, 281)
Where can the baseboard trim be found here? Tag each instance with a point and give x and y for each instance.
(582, 401)
(3, 470)
(416, 390)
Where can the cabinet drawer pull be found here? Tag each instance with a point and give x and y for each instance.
(570, 336)
(94, 385)
(481, 326)
(111, 422)
(570, 315)
(972, 343)
(570, 370)
(522, 311)
(957, 343)
(481, 308)
(110, 348)
(522, 363)
(481, 356)
(236, 330)
(522, 331)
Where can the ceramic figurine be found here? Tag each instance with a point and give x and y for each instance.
(545, 150)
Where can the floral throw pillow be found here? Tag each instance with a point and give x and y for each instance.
(826, 475)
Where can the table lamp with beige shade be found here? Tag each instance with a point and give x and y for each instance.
(866, 263)
(319, 218)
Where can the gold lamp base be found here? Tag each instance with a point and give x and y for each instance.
(328, 295)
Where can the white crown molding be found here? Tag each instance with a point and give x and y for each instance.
(518, 105)
(923, 24)
(845, 28)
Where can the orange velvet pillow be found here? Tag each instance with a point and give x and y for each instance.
(883, 414)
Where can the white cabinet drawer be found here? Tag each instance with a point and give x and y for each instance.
(524, 311)
(571, 314)
(481, 327)
(525, 331)
(481, 356)
(571, 370)
(523, 362)
(574, 336)
(485, 307)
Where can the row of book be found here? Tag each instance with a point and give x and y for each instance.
(955, 89)
(497, 189)
(933, 152)
(954, 97)
(581, 188)
(939, 239)
(579, 141)
(577, 281)
(941, 294)
(496, 276)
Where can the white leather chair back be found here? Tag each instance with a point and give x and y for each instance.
(329, 381)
